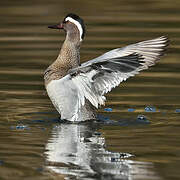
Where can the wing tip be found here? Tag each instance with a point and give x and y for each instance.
(166, 39)
(166, 43)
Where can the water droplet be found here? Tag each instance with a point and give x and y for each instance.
(150, 109)
(21, 127)
(141, 118)
(108, 109)
(131, 110)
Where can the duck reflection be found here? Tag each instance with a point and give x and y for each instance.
(78, 150)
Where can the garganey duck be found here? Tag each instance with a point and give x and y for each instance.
(75, 89)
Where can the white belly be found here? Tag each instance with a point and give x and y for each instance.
(66, 99)
(52, 91)
(64, 96)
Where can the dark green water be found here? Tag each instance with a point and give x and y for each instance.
(33, 145)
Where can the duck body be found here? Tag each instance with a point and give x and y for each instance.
(76, 90)
(58, 81)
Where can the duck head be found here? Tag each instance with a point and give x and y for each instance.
(73, 26)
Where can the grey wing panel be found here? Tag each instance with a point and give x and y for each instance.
(117, 65)
(150, 50)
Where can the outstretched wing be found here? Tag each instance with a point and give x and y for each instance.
(96, 77)
(115, 66)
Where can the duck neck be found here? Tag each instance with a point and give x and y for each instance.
(68, 58)
(69, 55)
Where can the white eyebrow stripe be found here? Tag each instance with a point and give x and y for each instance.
(77, 24)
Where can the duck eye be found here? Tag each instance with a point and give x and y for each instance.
(65, 22)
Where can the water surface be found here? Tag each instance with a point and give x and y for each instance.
(35, 145)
